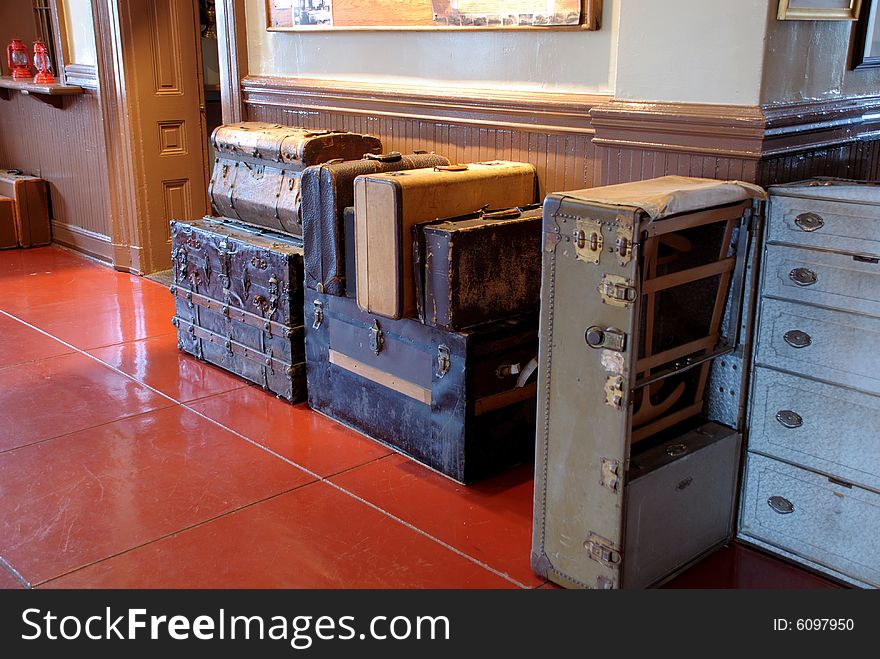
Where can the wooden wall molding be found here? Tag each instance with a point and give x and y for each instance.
(84, 75)
(232, 52)
(752, 133)
(94, 244)
(520, 110)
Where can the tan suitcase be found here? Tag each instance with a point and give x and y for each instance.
(388, 205)
(31, 201)
(8, 239)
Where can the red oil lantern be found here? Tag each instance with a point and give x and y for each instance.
(43, 64)
(17, 59)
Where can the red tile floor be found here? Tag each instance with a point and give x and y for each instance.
(124, 463)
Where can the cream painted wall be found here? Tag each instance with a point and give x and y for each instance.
(810, 60)
(691, 51)
(552, 61)
(80, 31)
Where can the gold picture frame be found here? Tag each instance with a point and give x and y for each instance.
(591, 20)
(819, 10)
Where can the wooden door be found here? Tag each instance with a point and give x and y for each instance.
(167, 44)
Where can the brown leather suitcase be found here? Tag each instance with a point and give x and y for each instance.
(388, 205)
(8, 237)
(478, 268)
(239, 301)
(258, 167)
(327, 189)
(31, 200)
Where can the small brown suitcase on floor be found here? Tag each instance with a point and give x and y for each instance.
(327, 189)
(258, 167)
(31, 200)
(478, 268)
(8, 238)
(388, 205)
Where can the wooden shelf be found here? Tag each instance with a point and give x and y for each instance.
(52, 94)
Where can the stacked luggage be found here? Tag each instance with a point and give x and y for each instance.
(24, 210)
(238, 279)
(400, 291)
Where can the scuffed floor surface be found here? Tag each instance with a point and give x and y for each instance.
(124, 463)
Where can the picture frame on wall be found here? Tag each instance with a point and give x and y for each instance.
(432, 15)
(866, 41)
(819, 10)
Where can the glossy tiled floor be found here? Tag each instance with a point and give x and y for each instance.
(126, 464)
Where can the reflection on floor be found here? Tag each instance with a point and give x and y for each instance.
(124, 463)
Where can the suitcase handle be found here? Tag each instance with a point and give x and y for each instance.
(450, 168)
(393, 156)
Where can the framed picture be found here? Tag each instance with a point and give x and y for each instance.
(818, 10)
(866, 43)
(311, 15)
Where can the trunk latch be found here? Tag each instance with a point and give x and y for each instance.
(377, 338)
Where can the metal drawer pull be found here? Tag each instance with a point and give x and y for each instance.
(789, 418)
(809, 222)
(803, 276)
(781, 505)
(797, 339)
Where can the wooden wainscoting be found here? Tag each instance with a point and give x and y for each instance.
(765, 145)
(64, 146)
(551, 131)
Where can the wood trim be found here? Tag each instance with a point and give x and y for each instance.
(547, 112)
(378, 376)
(84, 75)
(747, 132)
(126, 197)
(91, 243)
(232, 50)
(62, 47)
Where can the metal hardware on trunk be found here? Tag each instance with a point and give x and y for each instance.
(604, 583)
(602, 550)
(623, 246)
(610, 474)
(803, 276)
(781, 505)
(319, 314)
(443, 361)
(797, 339)
(675, 450)
(809, 222)
(789, 418)
(377, 338)
(865, 259)
(607, 337)
(588, 240)
(614, 391)
(617, 291)
(506, 370)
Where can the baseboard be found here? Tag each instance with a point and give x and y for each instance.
(95, 245)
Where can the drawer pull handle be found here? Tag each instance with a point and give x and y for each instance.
(803, 276)
(789, 418)
(781, 505)
(797, 339)
(809, 222)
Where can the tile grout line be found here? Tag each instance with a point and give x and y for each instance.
(318, 477)
(6, 565)
(172, 534)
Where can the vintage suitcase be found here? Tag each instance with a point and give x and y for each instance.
(813, 468)
(680, 504)
(475, 269)
(258, 167)
(8, 236)
(239, 300)
(31, 198)
(461, 402)
(327, 190)
(387, 205)
(642, 305)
